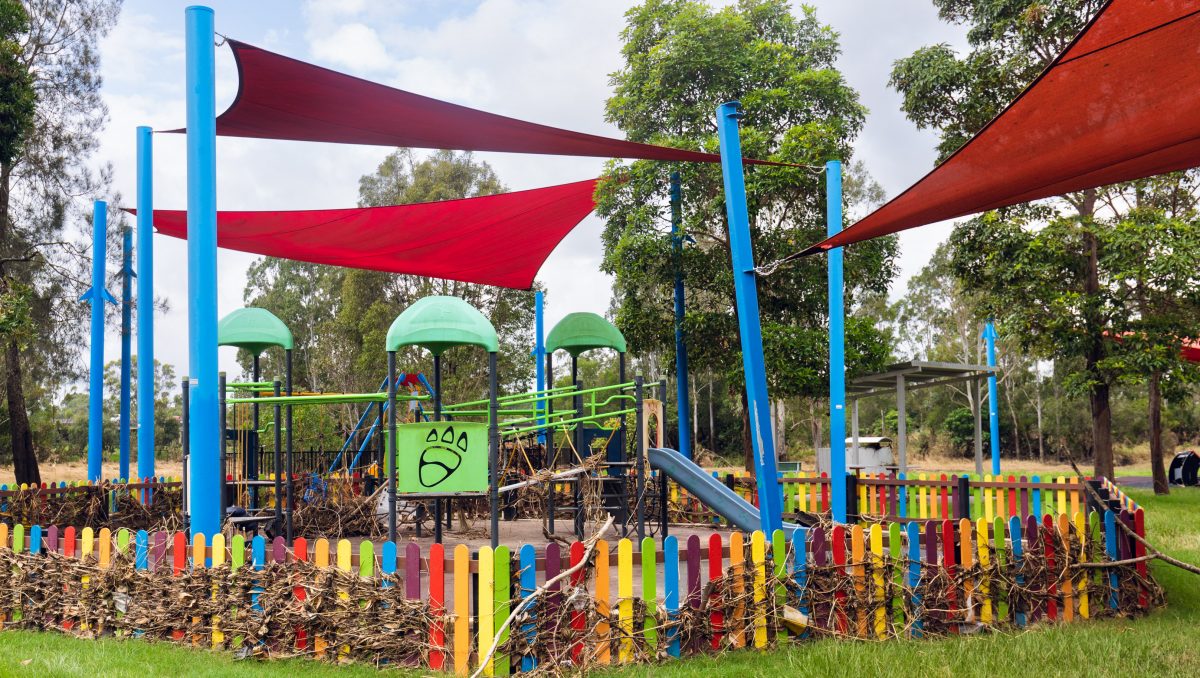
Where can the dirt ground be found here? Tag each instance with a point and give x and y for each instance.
(77, 470)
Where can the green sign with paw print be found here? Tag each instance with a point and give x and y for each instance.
(442, 457)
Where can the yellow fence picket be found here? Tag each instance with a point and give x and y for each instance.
(985, 579)
(625, 599)
(758, 556)
(462, 609)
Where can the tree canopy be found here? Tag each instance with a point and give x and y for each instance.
(681, 59)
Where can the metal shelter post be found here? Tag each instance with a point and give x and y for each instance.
(837, 345)
(989, 334)
(202, 271)
(854, 429)
(145, 300)
(681, 361)
(977, 401)
(749, 328)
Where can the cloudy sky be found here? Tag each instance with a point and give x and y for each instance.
(542, 60)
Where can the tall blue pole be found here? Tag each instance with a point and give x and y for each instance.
(204, 469)
(770, 500)
(989, 333)
(681, 365)
(145, 297)
(97, 295)
(539, 356)
(126, 321)
(837, 345)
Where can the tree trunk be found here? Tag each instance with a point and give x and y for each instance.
(747, 443)
(1094, 326)
(1041, 433)
(1157, 464)
(25, 464)
(712, 422)
(780, 428)
(1102, 431)
(695, 416)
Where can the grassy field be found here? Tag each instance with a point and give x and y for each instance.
(1167, 643)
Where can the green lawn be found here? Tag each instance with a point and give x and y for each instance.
(1165, 644)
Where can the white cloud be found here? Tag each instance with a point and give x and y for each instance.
(354, 45)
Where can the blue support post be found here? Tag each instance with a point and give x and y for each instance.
(126, 338)
(97, 295)
(204, 468)
(681, 365)
(746, 291)
(539, 357)
(145, 297)
(989, 334)
(837, 345)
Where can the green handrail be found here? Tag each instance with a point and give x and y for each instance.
(326, 399)
(248, 385)
(564, 422)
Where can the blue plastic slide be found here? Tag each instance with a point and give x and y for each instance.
(722, 500)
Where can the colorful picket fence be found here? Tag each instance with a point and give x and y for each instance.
(630, 602)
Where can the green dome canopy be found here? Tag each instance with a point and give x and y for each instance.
(439, 323)
(579, 332)
(254, 329)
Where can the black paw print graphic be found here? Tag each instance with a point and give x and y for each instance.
(441, 456)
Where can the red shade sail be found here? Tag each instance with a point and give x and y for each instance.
(1191, 351)
(283, 98)
(1121, 103)
(497, 240)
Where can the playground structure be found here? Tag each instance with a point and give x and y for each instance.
(860, 555)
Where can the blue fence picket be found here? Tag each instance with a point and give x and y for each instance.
(671, 591)
(528, 564)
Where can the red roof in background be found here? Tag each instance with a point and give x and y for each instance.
(1121, 103)
(284, 98)
(499, 240)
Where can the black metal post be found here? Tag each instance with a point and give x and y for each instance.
(224, 493)
(277, 459)
(391, 445)
(251, 462)
(851, 497)
(291, 506)
(640, 462)
(624, 433)
(964, 497)
(437, 416)
(551, 451)
(577, 493)
(494, 448)
(185, 413)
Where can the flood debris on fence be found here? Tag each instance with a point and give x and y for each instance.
(440, 608)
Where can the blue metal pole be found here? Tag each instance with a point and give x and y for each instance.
(837, 345)
(126, 338)
(539, 356)
(204, 465)
(145, 297)
(746, 291)
(989, 333)
(681, 364)
(97, 295)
